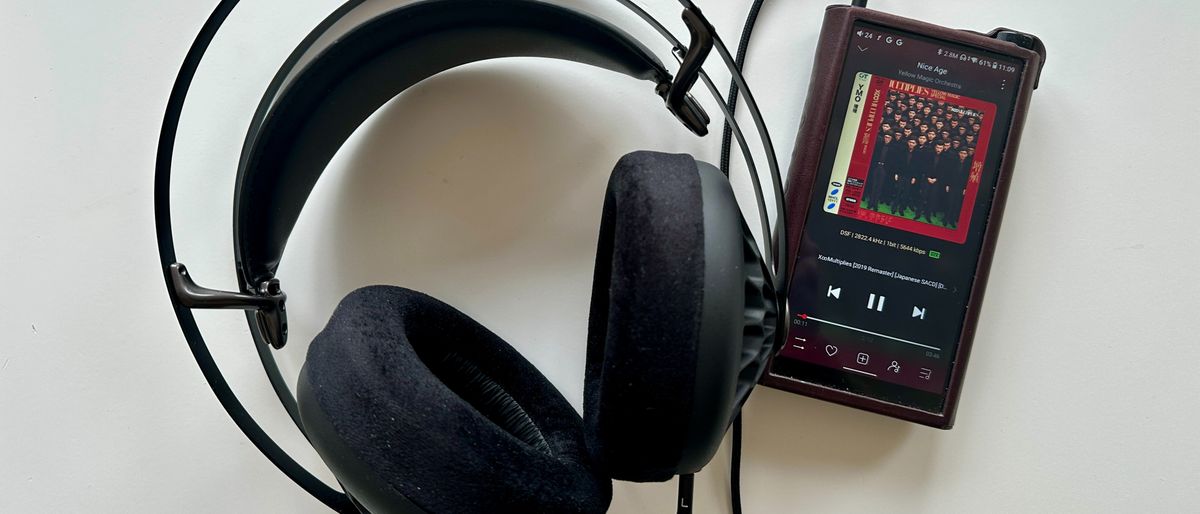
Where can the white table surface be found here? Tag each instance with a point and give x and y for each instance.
(482, 186)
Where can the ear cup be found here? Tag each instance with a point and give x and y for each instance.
(413, 403)
(646, 308)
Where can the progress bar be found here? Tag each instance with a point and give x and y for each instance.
(848, 327)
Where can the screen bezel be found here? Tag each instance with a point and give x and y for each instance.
(810, 145)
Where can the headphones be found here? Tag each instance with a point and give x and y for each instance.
(413, 405)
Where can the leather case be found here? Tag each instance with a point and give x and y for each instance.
(831, 51)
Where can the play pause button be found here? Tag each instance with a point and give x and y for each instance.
(918, 312)
(834, 292)
(876, 305)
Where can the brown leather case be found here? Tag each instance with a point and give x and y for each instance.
(806, 157)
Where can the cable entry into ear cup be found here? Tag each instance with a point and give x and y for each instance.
(411, 402)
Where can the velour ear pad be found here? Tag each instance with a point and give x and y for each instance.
(645, 317)
(415, 405)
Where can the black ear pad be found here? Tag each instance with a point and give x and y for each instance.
(665, 330)
(414, 405)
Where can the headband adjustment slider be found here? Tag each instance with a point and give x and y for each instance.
(676, 93)
(267, 302)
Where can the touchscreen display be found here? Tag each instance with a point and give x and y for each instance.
(899, 207)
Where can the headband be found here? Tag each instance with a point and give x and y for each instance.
(313, 112)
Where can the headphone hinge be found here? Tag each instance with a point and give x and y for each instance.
(677, 92)
(267, 302)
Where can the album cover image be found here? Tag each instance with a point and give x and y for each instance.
(910, 157)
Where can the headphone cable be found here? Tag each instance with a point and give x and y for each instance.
(686, 484)
(735, 466)
(739, 60)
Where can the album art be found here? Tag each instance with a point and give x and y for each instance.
(911, 157)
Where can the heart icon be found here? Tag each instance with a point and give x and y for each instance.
(830, 350)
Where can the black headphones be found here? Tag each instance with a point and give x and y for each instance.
(414, 406)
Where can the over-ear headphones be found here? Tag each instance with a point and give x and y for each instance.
(416, 407)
